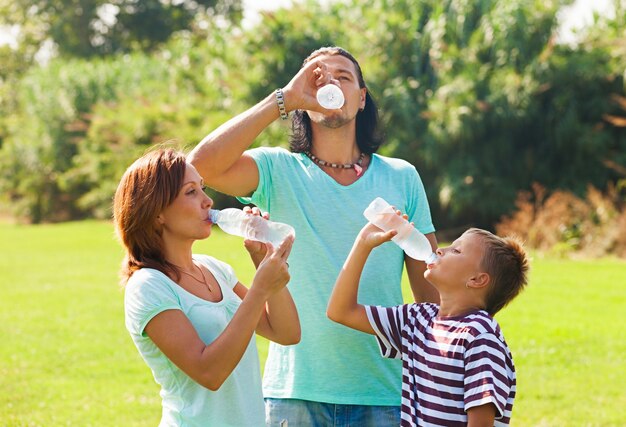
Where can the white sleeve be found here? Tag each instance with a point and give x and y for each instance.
(387, 322)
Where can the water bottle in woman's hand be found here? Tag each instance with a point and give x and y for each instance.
(415, 244)
(237, 222)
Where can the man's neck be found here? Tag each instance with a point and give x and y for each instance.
(335, 145)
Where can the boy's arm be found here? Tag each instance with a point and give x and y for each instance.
(481, 416)
(343, 306)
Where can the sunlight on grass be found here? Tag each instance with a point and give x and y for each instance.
(66, 358)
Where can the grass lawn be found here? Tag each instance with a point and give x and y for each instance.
(66, 359)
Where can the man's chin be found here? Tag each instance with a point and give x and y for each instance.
(333, 121)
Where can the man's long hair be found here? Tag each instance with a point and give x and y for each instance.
(368, 135)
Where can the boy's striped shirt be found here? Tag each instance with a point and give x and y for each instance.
(449, 364)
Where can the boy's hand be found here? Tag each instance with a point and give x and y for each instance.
(371, 236)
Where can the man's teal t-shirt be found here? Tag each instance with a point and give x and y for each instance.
(333, 363)
(185, 403)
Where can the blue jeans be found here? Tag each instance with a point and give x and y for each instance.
(305, 413)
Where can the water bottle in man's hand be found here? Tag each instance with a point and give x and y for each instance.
(415, 244)
(237, 222)
(330, 97)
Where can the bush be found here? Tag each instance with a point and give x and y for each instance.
(562, 223)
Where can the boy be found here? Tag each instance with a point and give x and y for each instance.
(456, 367)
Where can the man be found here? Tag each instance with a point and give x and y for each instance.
(321, 188)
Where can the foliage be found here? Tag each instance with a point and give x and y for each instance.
(87, 28)
(562, 223)
(119, 131)
(475, 94)
(48, 129)
(277, 47)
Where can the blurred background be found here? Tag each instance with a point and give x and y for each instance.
(513, 111)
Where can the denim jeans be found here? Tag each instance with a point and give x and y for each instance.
(305, 413)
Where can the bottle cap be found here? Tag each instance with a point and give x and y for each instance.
(330, 97)
(432, 258)
(213, 213)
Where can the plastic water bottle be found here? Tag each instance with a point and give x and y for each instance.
(415, 244)
(330, 97)
(237, 222)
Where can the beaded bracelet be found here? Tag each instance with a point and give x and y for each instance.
(280, 100)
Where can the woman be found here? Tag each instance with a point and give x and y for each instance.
(190, 318)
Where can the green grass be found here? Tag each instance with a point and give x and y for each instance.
(66, 359)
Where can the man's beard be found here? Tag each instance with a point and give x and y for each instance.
(334, 121)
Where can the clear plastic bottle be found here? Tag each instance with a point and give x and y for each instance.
(330, 97)
(237, 222)
(415, 244)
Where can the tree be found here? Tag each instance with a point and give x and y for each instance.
(85, 28)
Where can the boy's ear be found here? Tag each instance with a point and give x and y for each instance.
(480, 280)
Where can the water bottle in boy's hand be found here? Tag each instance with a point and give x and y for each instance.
(237, 222)
(415, 244)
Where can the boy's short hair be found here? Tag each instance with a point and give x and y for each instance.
(507, 264)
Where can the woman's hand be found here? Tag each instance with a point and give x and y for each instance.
(273, 272)
(256, 249)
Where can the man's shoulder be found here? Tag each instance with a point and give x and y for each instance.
(270, 151)
(394, 162)
(273, 155)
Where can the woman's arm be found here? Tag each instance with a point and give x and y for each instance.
(210, 365)
(279, 321)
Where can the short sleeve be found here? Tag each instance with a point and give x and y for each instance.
(223, 272)
(387, 322)
(263, 157)
(147, 294)
(486, 377)
(419, 209)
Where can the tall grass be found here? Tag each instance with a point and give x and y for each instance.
(66, 359)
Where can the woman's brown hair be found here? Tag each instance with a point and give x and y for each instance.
(147, 187)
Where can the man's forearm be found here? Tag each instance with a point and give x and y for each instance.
(220, 149)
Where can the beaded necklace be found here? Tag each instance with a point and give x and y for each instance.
(357, 166)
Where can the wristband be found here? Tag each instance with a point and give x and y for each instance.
(280, 100)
